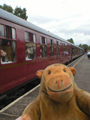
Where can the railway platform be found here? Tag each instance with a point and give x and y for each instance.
(82, 78)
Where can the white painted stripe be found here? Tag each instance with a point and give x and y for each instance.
(74, 61)
(78, 61)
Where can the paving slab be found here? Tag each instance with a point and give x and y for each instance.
(82, 77)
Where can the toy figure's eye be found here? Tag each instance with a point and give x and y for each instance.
(49, 72)
(64, 70)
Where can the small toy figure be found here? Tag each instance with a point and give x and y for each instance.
(59, 97)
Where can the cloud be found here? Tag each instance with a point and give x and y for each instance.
(65, 18)
(73, 27)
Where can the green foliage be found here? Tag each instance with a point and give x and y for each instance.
(85, 47)
(88, 47)
(70, 40)
(7, 8)
(18, 11)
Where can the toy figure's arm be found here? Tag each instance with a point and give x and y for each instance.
(32, 111)
(84, 101)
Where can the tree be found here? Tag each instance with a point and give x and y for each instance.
(84, 46)
(7, 8)
(20, 12)
(80, 45)
(71, 40)
(88, 47)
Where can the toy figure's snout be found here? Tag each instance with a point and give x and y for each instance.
(62, 82)
(59, 83)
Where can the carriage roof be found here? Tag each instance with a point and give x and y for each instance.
(13, 18)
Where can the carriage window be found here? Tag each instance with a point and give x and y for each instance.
(61, 49)
(34, 38)
(30, 49)
(43, 47)
(69, 52)
(65, 50)
(8, 32)
(8, 51)
(13, 33)
(31, 37)
(57, 49)
(2, 30)
(27, 36)
(45, 41)
(40, 40)
(74, 51)
(51, 48)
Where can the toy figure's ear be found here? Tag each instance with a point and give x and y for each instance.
(39, 73)
(73, 70)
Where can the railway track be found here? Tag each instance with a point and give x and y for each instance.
(18, 92)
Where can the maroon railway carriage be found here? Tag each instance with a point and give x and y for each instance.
(25, 48)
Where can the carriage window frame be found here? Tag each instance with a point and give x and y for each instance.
(43, 40)
(9, 52)
(8, 45)
(9, 32)
(34, 38)
(43, 47)
(30, 47)
(30, 37)
(13, 33)
(2, 33)
(57, 48)
(61, 48)
(51, 47)
(27, 37)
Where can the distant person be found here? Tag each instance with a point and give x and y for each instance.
(88, 55)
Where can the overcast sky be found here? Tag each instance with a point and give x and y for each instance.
(65, 18)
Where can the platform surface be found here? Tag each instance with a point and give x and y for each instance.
(82, 76)
(82, 79)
